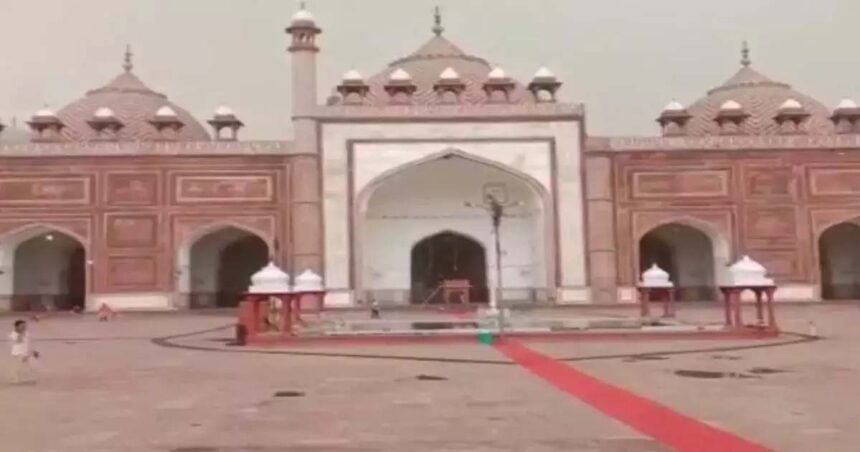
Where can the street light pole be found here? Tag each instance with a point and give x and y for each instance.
(496, 210)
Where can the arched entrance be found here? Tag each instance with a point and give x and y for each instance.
(43, 269)
(447, 256)
(687, 254)
(220, 265)
(839, 260)
(442, 193)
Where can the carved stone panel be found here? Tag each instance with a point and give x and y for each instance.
(768, 226)
(834, 181)
(132, 271)
(680, 184)
(764, 183)
(781, 265)
(44, 190)
(131, 189)
(132, 231)
(220, 188)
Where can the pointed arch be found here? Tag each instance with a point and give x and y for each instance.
(693, 252)
(214, 263)
(539, 272)
(838, 250)
(447, 255)
(43, 274)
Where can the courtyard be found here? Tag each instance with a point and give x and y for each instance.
(171, 382)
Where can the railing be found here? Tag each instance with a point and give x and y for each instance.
(509, 297)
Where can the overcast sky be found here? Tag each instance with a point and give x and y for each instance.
(625, 59)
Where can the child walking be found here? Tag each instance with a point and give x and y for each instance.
(22, 356)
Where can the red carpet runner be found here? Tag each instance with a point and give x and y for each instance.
(650, 418)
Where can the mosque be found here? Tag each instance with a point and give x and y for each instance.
(389, 188)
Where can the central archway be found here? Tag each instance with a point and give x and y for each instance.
(445, 192)
(447, 256)
(219, 266)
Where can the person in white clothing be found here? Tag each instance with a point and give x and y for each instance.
(22, 356)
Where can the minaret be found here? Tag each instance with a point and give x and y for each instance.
(304, 50)
(304, 249)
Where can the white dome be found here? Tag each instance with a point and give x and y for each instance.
(655, 277)
(731, 105)
(449, 74)
(497, 73)
(747, 264)
(352, 76)
(302, 15)
(846, 103)
(165, 111)
(44, 112)
(270, 279)
(400, 75)
(309, 281)
(674, 105)
(790, 104)
(224, 111)
(104, 112)
(543, 72)
(747, 272)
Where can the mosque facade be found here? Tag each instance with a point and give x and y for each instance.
(389, 189)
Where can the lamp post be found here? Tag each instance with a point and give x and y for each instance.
(496, 209)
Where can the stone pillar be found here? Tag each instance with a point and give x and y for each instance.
(599, 203)
(306, 241)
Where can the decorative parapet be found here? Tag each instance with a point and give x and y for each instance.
(181, 148)
(722, 143)
(410, 112)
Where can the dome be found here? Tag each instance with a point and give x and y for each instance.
(674, 106)
(543, 72)
(449, 74)
(497, 74)
(131, 102)
(44, 113)
(655, 277)
(165, 111)
(731, 105)
(302, 16)
(400, 75)
(846, 103)
(104, 112)
(761, 99)
(790, 104)
(425, 66)
(224, 110)
(352, 76)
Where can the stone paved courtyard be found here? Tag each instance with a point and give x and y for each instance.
(109, 387)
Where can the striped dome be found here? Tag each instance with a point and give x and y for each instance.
(760, 98)
(134, 105)
(426, 66)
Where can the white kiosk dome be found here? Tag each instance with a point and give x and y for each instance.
(270, 279)
(747, 272)
(655, 277)
(309, 281)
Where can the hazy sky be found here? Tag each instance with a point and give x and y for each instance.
(625, 59)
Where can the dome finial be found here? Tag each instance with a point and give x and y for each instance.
(127, 64)
(745, 54)
(437, 23)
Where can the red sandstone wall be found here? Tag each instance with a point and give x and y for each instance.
(770, 205)
(133, 213)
